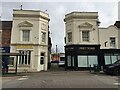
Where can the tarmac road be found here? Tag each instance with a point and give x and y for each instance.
(61, 79)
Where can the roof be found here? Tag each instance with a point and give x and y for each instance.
(5, 25)
(117, 24)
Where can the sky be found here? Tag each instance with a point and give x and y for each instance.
(107, 11)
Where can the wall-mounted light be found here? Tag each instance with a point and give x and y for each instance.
(106, 43)
(98, 23)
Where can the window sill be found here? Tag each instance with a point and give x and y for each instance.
(23, 65)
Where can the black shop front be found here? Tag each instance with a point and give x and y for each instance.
(80, 57)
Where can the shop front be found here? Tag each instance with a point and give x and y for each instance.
(110, 56)
(80, 57)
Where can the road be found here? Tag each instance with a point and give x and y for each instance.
(61, 79)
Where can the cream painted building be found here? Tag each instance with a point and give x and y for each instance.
(87, 43)
(109, 37)
(82, 22)
(30, 37)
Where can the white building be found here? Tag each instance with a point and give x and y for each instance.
(30, 37)
(87, 44)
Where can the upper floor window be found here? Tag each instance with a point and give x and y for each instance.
(70, 37)
(112, 41)
(85, 36)
(26, 35)
(43, 34)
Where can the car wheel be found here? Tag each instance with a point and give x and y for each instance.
(116, 71)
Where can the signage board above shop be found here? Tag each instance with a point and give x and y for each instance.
(86, 48)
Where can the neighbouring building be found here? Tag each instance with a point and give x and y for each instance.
(62, 56)
(30, 37)
(5, 38)
(56, 57)
(110, 43)
(87, 44)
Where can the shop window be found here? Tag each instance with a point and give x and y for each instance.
(119, 57)
(69, 61)
(87, 61)
(114, 58)
(73, 64)
(107, 60)
(11, 61)
(82, 61)
(24, 58)
(92, 60)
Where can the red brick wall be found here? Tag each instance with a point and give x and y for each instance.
(55, 57)
(6, 37)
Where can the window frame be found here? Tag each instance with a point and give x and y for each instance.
(28, 38)
(112, 41)
(86, 36)
(43, 38)
(24, 59)
(69, 36)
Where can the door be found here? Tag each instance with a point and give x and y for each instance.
(70, 61)
(42, 61)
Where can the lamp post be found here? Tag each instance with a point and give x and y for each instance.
(56, 49)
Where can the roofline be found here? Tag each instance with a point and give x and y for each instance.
(79, 12)
(31, 10)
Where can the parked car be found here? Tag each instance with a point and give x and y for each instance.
(61, 63)
(113, 69)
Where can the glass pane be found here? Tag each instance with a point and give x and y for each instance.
(11, 61)
(107, 60)
(29, 57)
(118, 57)
(72, 61)
(43, 36)
(114, 58)
(82, 61)
(26, 34)
(68, 60)
(92, 60)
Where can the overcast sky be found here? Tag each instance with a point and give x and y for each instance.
(107, 11)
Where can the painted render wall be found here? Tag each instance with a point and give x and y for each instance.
(105, 34)
(35, 45)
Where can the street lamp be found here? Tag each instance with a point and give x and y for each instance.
(56, 49)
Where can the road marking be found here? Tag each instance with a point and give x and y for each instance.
(22, 78)
(117, 84)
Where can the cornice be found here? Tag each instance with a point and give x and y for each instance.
(16, 44)
(30, 15)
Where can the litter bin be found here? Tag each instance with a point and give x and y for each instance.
(96, 68)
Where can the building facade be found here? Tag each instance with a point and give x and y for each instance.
(85, 41)
(110, 43)
(5, 38)
(30, 37)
